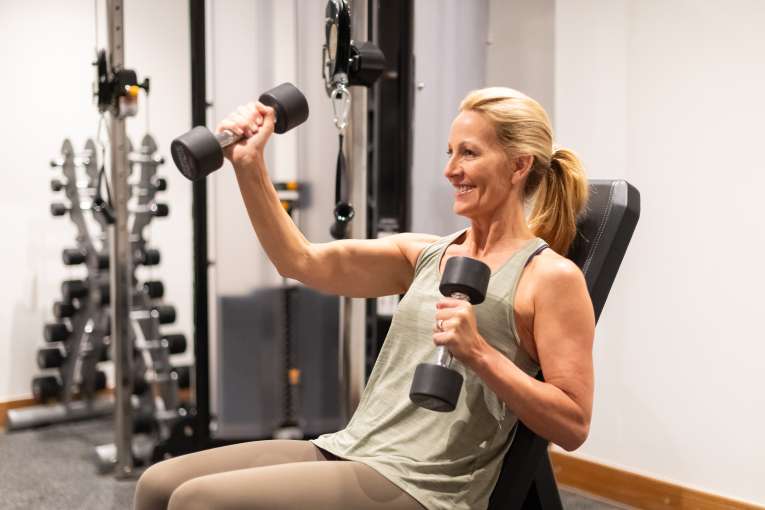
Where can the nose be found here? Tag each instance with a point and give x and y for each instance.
(451, 169)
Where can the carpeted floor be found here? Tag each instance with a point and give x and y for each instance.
(54, 468)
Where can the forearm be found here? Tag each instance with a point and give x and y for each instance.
(544, 408)
(282, 241)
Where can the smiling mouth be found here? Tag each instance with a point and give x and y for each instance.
(464, 190)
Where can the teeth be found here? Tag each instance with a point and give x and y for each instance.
(464, 189)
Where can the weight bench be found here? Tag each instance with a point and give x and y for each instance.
(526, 480)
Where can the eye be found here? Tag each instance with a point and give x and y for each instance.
(468, 152)
(449, 152)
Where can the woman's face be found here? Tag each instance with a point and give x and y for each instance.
(478, 167)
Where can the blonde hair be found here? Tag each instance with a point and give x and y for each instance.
(556, 183)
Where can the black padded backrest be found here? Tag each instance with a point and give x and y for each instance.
(603, 233)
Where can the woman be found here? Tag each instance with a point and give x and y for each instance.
(537, 313)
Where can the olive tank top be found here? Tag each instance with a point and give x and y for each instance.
(444, 460)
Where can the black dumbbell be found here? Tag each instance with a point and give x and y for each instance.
(56, 332)
(100, 382)
(105, 353)
(159, 210)
(58, 209)
(154, 289)
(62, 310)
(46, 387)
(73, 289)
(183, 375)
(147, 257)
(144, 422)
(50, 357)
(199, 152)
(104, 296)
(175, 343)
(436, 386)
(73, 256)
(164, 313)
(56, 185)
(160, 183)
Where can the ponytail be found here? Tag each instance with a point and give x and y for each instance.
(560, 197)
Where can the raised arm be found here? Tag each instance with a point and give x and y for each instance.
(353, 267)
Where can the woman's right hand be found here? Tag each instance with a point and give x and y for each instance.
(255, 122)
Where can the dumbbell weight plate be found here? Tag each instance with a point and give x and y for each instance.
(73, 256)
(50, 357)
(160, 184)
(159, 210)
(435, 387)
(164, 313)
(58, 209)
(56, 332)
(46, 387)
(467, 276)
(176, 343)
(183, 375)
(149, 257)
(154, 289)
(100, 380)
(63, 310)
(73, 289)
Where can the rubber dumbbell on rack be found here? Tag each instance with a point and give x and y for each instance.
(75, 341)
(155, 382)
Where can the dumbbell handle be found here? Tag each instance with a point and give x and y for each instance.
(443, 356)
(226, 138)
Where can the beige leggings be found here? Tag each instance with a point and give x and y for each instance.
(274, 475)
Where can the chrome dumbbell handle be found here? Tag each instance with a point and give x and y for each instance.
(443, 356)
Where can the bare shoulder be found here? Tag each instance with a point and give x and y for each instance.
(551, 269)
(554, 279)
(411, 244)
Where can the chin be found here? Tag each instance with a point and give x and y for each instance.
(461, 210)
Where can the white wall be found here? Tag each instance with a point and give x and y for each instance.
(669, 95)
(450, 60)
(46, 87)
(520, 53)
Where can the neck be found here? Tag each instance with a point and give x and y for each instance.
(505, 228)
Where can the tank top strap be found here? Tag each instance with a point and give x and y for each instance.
(431, 254)
(508, 281)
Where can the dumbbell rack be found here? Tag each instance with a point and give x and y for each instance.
(80, 338)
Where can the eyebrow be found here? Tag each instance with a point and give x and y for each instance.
(463, 143)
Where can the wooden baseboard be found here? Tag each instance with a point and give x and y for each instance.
(13, 404)
(183, 394)
(635, 490)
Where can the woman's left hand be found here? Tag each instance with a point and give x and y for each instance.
(456, 329)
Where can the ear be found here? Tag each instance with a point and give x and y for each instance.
(521, 167)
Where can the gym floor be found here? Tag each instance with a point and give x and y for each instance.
(54, 468)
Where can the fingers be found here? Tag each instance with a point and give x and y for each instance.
(448, 302)
(246, 120)
(445, 338)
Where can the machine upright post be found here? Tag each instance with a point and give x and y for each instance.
(120, 272)
(353, 311)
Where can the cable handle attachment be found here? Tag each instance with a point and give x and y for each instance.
(341, 106)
